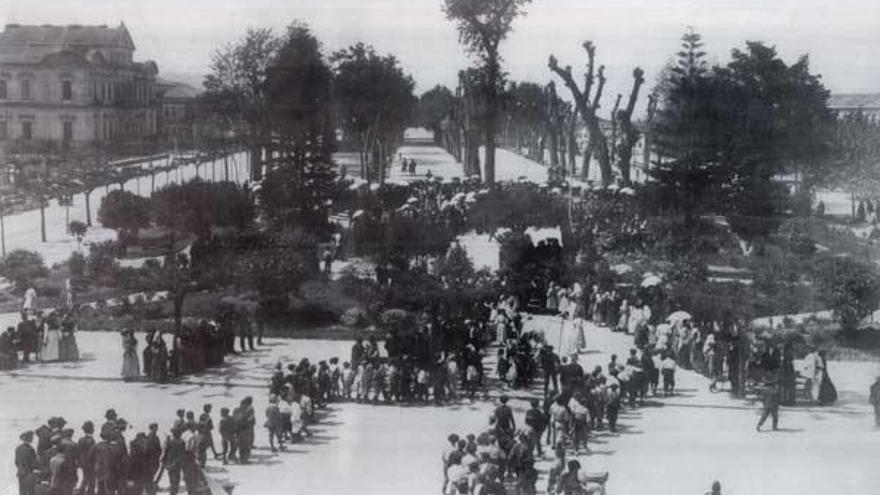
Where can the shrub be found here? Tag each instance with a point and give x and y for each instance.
(101, 263)
(850, 288)
(76, 264)
(21, 268)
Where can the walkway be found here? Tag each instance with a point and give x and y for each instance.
(672, 446)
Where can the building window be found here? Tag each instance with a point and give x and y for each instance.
(3, 89)
(4, 130)
(66, 91)
(67, 128)
(27, 130)
(25, 89)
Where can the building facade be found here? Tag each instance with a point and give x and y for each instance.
(843, 104)
(177, 118)
(75, 85)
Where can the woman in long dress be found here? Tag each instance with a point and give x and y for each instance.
(68, 348)
(131, 370)
(827, 390)
(50, 350)
(30, 300)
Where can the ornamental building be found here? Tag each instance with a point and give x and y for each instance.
(75, 85)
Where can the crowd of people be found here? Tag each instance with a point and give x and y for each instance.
(409, 371)
(193, 349)
(501, 459)
(61, 464)
(39, 337)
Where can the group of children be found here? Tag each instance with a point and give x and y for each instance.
(378, 380)
(501, 459)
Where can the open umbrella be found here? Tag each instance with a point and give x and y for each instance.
(621, 268)
(679, 316)
(651, 281)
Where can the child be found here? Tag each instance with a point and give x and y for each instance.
(392, 383)
(503, 365)
(323, 384)
(207, 424)
(379, 372)
(359, 382)
(227, 435)
(453, 447)
(422, 384)
(308, 411)
(561, 419)
(612, 407)
(335, 376)
(347, 380)
(472, 377)
(452, 378)
(668, 368)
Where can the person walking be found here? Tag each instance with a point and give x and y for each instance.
(770, 400)
(504, 420)
(550, 368)
(537, 422)
(25, 462)
(173, 459)
(874, 399)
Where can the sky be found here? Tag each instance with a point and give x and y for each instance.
(181, 35)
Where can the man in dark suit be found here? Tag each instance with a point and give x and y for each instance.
(25, 462)
(504, 417)
(108, 465)
(173, 459)
(85, 452)
(770, 399)
(154, 456)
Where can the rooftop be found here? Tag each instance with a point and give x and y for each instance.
(853, 101)
(72, 35)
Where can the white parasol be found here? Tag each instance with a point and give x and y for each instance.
(678, 316)
(651, 281)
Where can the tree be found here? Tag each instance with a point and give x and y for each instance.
(785, 128)
(587, 103)
(482, 26)
(850, 288)
(301, 175)
(630, 135)
(724, 134)
(197, 206)
(689, 131)
(456, 269)
(126, 212)
(21, 267)
(276, 264)
(855, 161)
(235, 90)
(375, 102)
(77, 229)
(435, 109)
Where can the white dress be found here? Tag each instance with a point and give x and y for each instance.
(572, 338)
(30, 300)
(51, 348)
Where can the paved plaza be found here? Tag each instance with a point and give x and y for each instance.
(670, 446)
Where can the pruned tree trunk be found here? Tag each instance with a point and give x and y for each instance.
(630, 134)
(587, 102)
